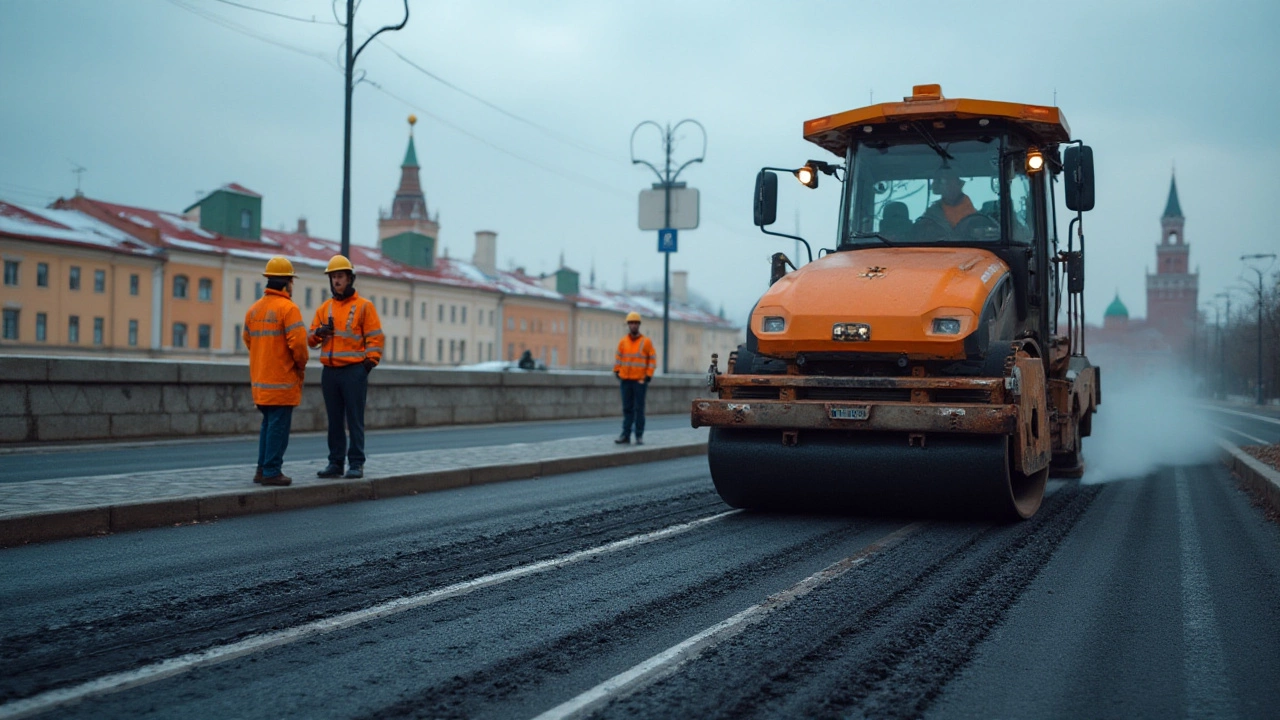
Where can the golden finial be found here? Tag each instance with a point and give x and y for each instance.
(413, 120)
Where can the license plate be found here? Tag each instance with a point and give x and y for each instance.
(850, 413)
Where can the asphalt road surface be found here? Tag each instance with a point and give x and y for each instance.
(634, 592)
(82, 460)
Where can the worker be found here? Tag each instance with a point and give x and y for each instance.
(633, 366)
(349, 335)
(527, 362)
(952, 205)
(277, 342)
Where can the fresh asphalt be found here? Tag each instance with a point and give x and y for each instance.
(71, 461)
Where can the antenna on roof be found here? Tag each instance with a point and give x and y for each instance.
(79, 171)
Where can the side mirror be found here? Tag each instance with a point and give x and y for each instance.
(1077, 166)
(766, 198)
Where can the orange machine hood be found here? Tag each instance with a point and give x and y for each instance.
(897, 291)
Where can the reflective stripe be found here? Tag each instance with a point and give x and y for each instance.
(296, 326)
(263, 333)
(273, 386)
(375, 333)
(347, 335)
(346, 354)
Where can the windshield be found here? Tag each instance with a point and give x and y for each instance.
(910, 193)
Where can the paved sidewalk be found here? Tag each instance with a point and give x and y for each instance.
(42, 510)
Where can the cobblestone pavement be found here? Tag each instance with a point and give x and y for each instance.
(41, 497)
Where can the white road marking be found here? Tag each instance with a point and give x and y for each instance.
(667, 661)
(167, 668)
(1241, 413)
(1204, 673)
(1254, 438)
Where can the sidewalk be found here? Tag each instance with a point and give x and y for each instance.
(42, 510)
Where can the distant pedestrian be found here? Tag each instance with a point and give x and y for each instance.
(634, 366)
(349, 335)
(277, 341)
(527, 362)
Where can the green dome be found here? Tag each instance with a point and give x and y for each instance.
(1116, 308)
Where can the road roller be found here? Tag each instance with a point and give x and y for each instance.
(932, 362)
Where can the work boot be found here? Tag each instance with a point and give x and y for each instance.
(355, 473)
(623, 439)
(277, 480)
(257, 476)
(639, 439)
(330, 471)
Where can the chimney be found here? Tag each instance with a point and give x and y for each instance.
(680, 287)
(302, 226)
(486, 257)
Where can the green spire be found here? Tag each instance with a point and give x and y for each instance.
(1116, 308)
(1172, 209)
(410, 156)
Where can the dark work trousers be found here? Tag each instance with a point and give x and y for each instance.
(633, 406)
(344, 390)
(273, 438)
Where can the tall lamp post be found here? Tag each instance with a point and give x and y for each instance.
(666, 183)
(1246, 259)
(1222, 353)
(346, 131)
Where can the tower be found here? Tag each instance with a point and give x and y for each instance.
(1173, 292)
(408, 233)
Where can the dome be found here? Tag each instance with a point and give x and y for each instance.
(1116, 309)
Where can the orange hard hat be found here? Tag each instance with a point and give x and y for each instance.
(633, 317)
(279, 266)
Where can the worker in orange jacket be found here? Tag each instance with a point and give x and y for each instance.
(347, 331)
(277, 341)
(634, 366)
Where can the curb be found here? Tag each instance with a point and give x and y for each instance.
(106, 519)
(1255, 473)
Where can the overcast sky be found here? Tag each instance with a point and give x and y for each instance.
(163, 100)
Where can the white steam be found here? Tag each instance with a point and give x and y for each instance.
(1145, 421)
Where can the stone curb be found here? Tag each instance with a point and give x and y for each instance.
(1255, 473)
(102, 520)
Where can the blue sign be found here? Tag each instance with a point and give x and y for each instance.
(667, 241)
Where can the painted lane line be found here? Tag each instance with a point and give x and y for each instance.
(168, 668)
(669, 660)
(1241, 413)
(1254, 438)
(1204, 672)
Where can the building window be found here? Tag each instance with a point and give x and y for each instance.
(462, 351)
(490, 318)
(236, 339)
(246, 220)
(204, 336)
(422, 347)
(180, 283)
(179, 335)
(384, 304)
(440, 313)
(424, 311)
(237, 289)
(308, 298)
(453, 314)
(10, 324)
(11, 272)
(133, 333)
(42, 327)
(42, 274)
(133, 284)
(464, 314)
(257, 289)
(511, 351)
(523, 325)
(395, 307)
(99, 281)
(73, 278)
(511, 323)
(205, 290)
(453, 348)
(395, 348)
(73, 329)
(440, 351)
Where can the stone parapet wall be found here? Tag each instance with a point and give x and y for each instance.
(47, 399)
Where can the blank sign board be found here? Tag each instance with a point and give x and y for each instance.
(684, 209)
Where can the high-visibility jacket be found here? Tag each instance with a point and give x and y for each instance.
(636, 359)
(277, 342)
(357, 332)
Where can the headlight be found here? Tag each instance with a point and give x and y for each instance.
(946, 326)
(773, 324)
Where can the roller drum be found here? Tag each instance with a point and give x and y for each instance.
(872, 473)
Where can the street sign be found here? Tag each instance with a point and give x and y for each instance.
(684, 209)
(667, 240)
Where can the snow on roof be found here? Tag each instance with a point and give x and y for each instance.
(66, 226)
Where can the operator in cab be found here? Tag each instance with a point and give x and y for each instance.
(952, 205)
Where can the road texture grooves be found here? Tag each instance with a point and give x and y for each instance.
(94, 644)
(471, 694)
(880, 642)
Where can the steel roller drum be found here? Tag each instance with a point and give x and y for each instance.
(871, 473)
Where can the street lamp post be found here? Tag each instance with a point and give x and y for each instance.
(1246, 258)
(1222, 355)
(346, 129)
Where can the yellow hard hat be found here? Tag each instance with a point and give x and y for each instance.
(633, 317)
(279, 266)
(338, 262)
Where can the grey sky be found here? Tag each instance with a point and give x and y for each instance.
(161, 102)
